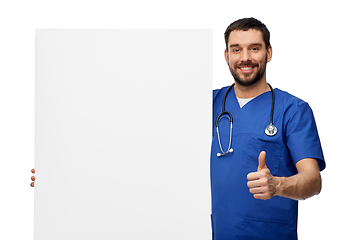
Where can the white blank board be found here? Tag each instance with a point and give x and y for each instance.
(123, 129)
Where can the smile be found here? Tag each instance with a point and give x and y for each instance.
(246, 69)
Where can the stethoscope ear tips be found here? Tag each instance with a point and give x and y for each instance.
(229, 151)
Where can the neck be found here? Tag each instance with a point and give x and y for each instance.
(251, 91)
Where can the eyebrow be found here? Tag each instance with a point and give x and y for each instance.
(252, 44)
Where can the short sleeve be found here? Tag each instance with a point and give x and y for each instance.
(302, 137)
(215, 93)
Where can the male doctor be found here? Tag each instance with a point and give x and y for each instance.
(256, 185)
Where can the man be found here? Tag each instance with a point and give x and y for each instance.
(258, 174)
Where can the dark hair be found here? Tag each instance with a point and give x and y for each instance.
(245, 24)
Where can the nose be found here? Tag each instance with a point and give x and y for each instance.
(245, 56)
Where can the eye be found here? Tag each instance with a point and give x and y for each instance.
(254, 49)
(236, 50)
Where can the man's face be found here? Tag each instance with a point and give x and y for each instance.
(247, 56)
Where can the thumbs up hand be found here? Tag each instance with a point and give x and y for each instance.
(261, 183)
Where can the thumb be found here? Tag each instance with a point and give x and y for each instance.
(262, 161)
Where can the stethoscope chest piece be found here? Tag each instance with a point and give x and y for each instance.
(271, 130)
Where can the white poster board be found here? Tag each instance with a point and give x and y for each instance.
(123, 130)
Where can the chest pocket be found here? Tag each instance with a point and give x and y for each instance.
(273, 155)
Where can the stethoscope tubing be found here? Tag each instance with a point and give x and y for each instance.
(270, 130)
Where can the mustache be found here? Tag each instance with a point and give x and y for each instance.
(248, 63)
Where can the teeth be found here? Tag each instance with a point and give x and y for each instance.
(246, 68)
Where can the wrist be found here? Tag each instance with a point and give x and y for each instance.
(279, 185)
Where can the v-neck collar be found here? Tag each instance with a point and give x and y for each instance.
(234, 98)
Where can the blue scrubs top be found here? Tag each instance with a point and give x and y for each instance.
(236, 214)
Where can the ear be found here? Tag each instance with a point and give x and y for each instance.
(269, 53)
(226, 55)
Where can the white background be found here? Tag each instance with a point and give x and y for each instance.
(316, 56)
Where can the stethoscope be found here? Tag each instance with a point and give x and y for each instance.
(270, 130)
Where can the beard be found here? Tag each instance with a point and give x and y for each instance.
(247, 79)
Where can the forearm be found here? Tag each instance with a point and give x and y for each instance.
(300, 186)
